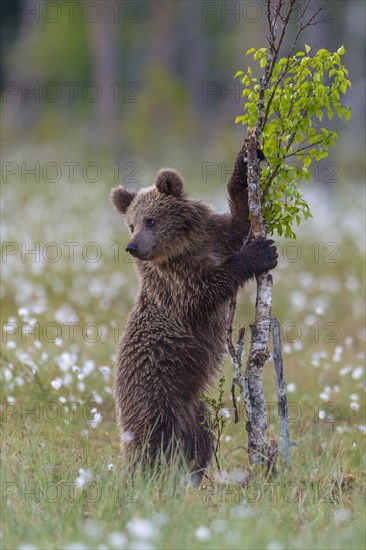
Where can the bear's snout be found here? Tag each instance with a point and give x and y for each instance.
(131, 248)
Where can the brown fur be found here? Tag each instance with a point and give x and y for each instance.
(189, 262)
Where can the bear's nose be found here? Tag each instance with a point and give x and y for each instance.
(131, 248)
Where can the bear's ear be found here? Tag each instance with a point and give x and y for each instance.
(168, 181)
(122, 198)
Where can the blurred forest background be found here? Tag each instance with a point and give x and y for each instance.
(151, 82)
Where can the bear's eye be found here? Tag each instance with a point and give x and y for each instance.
(132, 228)
(150, 222)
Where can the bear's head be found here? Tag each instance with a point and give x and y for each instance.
(160, 218)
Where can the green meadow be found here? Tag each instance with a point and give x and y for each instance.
(67, 287)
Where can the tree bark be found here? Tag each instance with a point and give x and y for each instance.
(257, 419)
(281, 394)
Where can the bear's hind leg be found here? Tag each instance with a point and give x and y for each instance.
(202, 450)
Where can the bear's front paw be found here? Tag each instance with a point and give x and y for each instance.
(262, 253)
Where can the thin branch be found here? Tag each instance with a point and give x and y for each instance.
(281, 393)
(229, 336)
(289, 60)
(233, 398)
(302, 149)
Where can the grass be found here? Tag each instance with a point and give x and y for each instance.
(63, 484)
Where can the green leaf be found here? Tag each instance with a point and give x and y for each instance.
(263, 62)
(251, 50)
(341, 51)
(321, 155)
(307, 161)
(319, 114)
(307, 48)
(238, 74)
(343, 87)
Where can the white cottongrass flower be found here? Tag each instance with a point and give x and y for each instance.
(117, 539)
(110, 467)
(219, 525)
(160, 519)
(362, 428)
(348, 341)
(239, 476)
(298, 300)
(67, 379)
(357, 373)
(97, 398)
(27, 546)
(274, 545)
(322, 414)
(142, 528)
(337, 354)
(88, 367)
(23, 312)
(92, 528)
(341, 515)
(76, 546)
(66, 361)
(83, 478)
(202, 533)
(57, 383)
(324, 396)
(345, 370)
(11, 344)
(354, 397)
(8, 375)
(291, 387)
(355, 406)
(306, 279)
(106, 372)
(127, 437)
(65, 313)
(225, 412)
(352, 283)
(140, 545)
(97, 417)
(343, 429)
(287, 348)
(243, 511)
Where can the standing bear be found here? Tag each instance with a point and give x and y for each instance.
(189, 262)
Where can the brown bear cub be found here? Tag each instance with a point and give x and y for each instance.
(189, 262)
